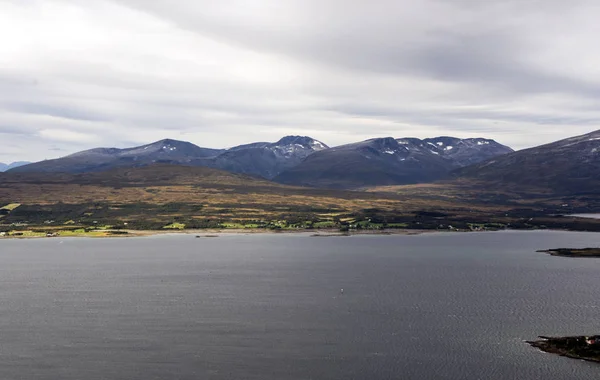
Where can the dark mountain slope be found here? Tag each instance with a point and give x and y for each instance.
(166, 151)
(387, 161)
(567, 166)
(465, 152)
(265, 159)
(261, 159)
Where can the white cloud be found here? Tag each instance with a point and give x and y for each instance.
(78, 74)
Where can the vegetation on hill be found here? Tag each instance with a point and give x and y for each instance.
(173, 197)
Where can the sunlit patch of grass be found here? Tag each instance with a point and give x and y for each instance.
(57, 233)
(102, 228)
(83, 233)
(175, 226)
(397, 225)
(324, 225)
(239, 226)
(11, 206)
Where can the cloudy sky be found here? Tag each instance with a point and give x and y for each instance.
(77, 74)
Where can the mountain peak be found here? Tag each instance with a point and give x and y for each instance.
(99, 159)
(383, 141)
(170, 142)
(305, 141)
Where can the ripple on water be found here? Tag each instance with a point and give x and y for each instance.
(434, 306)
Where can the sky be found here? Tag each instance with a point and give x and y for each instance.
(79, 74)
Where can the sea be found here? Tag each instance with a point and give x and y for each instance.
(295, 307)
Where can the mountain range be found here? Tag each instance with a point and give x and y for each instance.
(154, 186)
(261, 159)
(5, 167)
(101, 159)
(297, 160)
(389, 161)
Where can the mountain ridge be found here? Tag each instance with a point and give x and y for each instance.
(392, 161)
(264, 159)
(100, 159)
(4, 167)
(570, 165)
(389, 161)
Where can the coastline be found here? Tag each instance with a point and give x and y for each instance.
(573, 252)
(216, 232)
(212, 232)
(574, 347)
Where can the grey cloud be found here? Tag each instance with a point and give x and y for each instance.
(230, 72)
(52, 110)
(347, 35)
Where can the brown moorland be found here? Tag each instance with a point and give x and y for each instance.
(161, 195)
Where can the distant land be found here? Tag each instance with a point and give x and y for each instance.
(574, 347)
(389, 161)
(160, 187)
(573, 252)
(298, 160)
(569, 166)
(5, 167)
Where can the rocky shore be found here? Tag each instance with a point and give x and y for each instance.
(576, 347)
(573, 252)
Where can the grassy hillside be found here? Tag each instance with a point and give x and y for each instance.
(175, 197)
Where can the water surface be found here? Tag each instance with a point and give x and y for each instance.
(433, 306)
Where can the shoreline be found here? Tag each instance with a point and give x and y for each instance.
(573, 347)
(573, 252)
(215, 232)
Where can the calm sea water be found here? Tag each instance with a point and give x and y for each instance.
(434, 306)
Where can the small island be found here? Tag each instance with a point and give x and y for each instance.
(576, 347)
(573, 252)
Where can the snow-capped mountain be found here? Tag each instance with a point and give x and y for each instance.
(166, 151)
(465, 152)
(260, 159)
(389, 161)
(298, 160)
(569, 165)
(265, 159)
(5, 167)
(459, 152)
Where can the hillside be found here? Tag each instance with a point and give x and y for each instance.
(156, 195)
(389, 161)
(172, 196)
(260, 159)
(569, 166)
(99, 159)
(264, 159)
